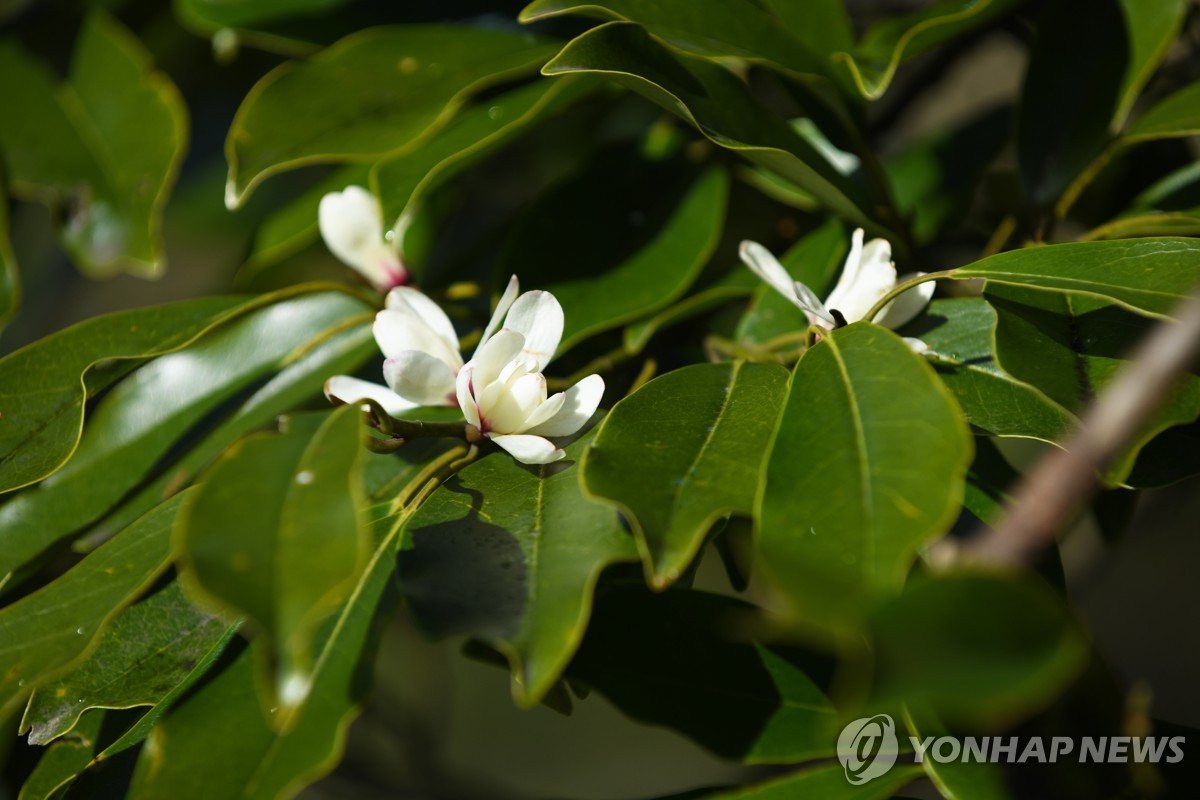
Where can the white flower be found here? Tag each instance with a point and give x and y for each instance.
(866, 278)
(351, 224)
(501, 390)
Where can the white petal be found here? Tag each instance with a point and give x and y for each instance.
(546, 410)
(581, 402)
(421, 378)
(430, 312)
(538, 317)
(907, 305)
(865, 280)
(466, 401)
(349, 390)
(916, 345)
(401, 328)
(808, 301)
(491, 359)
(767, 267)
(521, 395)
(502, 307)
(486, 396)
(529, 449)
(351, 225)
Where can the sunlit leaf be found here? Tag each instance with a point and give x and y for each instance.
(682, 452)
(850, 493)
(371, 94)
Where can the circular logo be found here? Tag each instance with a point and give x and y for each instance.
(867, 748)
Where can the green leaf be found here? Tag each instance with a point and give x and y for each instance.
(670, 659)
(988, 482)
(714, 100)
(1071, 93)
(823, 26)
(138, 421)
(371, 94)
(1178, 115)
(277, 530)
(1147, 276)
(1152, 26)
(1161, 223)
(47, 630)
(713, 294)
(64, 760)
(151, 652)
(814, 261)
(10, 279)
(402, 181)
(827, 782)
(1071, 346)
(713, 28)
(873, 63)
(975, 648)
(956, 780)
(958, 333)
(850, 491)
(935, 179)
(106, 145)
(682, 452)
(510, 553)
(255, 20)
(226, 721)
(674, 222)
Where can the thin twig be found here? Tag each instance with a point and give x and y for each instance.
(1048, 499)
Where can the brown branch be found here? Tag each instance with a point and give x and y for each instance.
(1050, 496)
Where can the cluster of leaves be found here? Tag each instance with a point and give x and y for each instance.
(228, 568)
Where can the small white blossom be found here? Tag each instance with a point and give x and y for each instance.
(351, 224)
(501, 390)
(868, 275)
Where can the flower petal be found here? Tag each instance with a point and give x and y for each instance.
(349, 390)
(429, 312)
(808, 301)
(421, 378)
(907, 305)
(520, 397)
(537, 316)
(546, 410)
(580, 403)
(529, 449)
(491, 359)
(867, 277)
(916, 345)
(502, 307)
(466, 400)
(351, 225)
(760, 260)
(401, 329)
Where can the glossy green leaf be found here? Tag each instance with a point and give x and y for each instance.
(682, 452)
(277, 531)
(827, 782)
(975, 648)
(45, 631)
(1148, 276)
(151, 651)
(710, 97)
(1151, 26)
(639, 644)
(823, 26)
(401, 181)
(815, 261)
(1071, 93)
(673, 224)
(874, 61)
(1071, 346)
(64, 760)
(510, 553)
(137, 422)
(712, 294)
(958, 333)
(850, 491)
(956, 780)
(714, 28)
(934, 180)
(1177, 115)
(227, 721)
(1160, 223)
(213, 15)
(10, 280)
(106, 145)
(371, 94)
